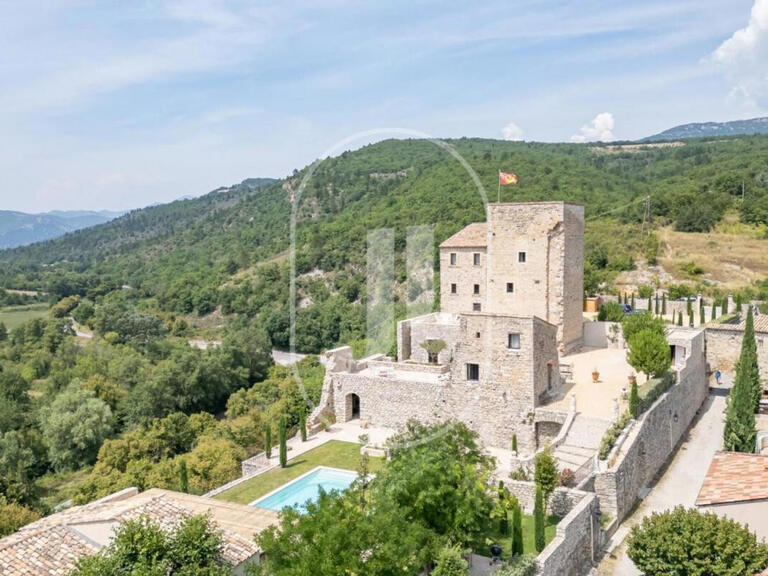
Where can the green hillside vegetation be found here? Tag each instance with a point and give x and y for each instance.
(192, 257)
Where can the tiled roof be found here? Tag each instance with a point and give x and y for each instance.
(735, 477)
(472, 236)
(52, 545)
(761, 324)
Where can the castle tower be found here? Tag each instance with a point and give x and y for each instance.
(527, 260)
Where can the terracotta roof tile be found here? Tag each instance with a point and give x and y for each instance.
(472, 236)
(735, 477)
(761, 325)
(52, 545)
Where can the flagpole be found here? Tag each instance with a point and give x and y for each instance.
(498, 192)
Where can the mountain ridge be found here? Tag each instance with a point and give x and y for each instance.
(747, 127)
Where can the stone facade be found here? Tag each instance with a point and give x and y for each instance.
(724, 347)
(656, 434)
(499, 355)
(494, 389)
(528, 259)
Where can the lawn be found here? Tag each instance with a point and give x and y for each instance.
(335, 454)
(12, 316)
(529, 546)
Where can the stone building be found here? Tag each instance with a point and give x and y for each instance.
(724, 345)
(528, 259)
(511, 299)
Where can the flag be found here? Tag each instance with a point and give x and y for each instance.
(506, 179)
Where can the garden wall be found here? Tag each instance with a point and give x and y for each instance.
(657, 432)
(576, 542)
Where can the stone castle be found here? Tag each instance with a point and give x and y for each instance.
(511, 302)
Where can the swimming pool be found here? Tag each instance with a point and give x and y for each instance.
(307, 488)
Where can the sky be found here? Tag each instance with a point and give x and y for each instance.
(117, 105)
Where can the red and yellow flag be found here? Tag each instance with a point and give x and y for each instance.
(506, 179)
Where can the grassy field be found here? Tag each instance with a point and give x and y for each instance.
(12, 316)
(335, 454)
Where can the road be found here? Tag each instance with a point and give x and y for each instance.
(680, 483)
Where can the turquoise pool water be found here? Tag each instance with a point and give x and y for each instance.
(306, 488)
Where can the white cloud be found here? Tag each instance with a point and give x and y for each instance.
(744, 56)
(512, 132)
(600, 128)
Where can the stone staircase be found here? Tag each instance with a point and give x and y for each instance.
(581, 443)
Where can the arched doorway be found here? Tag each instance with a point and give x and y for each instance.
(353, 407)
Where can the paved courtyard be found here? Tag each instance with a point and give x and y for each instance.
(681, 480)
(595, 399)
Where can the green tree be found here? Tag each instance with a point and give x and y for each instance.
(702, 316)
(303, 426)
(739, 434)
(268, 440)
(545, 473)
(335, 536)
(3, 332)
(634, 323)
(142, 548)
(539, 520)
(634, 400)
(664, 304)
(649, 353)
(450, 562)
(685, 542)
(13, 516)
(283, 443)
(714, 311)
(438, 476)
(75, 424)
(517, 529)
(183, 476)
(518, 566)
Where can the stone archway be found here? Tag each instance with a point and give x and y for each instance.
(352, 410)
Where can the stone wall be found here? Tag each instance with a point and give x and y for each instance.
(603, 335)
(657, 432)
(498, 405)
(465, 275)
(576, 543)
(724, 347)
(413, 332)
(560, 503)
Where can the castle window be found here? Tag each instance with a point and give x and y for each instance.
(476, 306)
(453, 258)
(476, 289)
(510, 287)
(521, 256)
(476, 259)
(473, 372)
(453, 289)
(513, 341)
(477, 334)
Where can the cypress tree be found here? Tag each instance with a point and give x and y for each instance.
(714, 311)
(183, 476)
(702, 316)
(680, 318)
(283, 444)
(690, 319)
(656, 307)
(3, 332)
(634, 400)
(725, 305)
(664, 304)
(517, 529)
(514, 442)
(625, 297)
(632, 301)
(268, 440)
(303, 426)
(538, 520)
(689, 307)
(650, 304)
(738, 303)
(739, 434)
(748, 359)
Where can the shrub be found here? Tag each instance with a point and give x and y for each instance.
(649, 352)
(519, 566)
(539, 520)
(612, 434)
(283, 444)
(520, 474)
(634, 400)
(684, 542)
(14, 516)
(450, 562)
(567, 478)
(634, 323)
(545, 474)
(611, 312)
(268, 440)
(691, 268)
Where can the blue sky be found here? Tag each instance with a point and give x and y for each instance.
(115, 105)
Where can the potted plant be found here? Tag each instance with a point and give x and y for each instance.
(632, 378)
(595, 375)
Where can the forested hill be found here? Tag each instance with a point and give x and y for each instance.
(202, 254)
(713, 129)
(18, 228)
